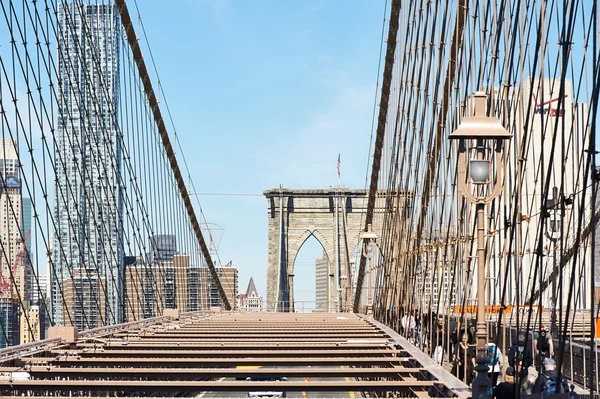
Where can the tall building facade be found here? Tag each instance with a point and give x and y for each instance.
(87, 247)
(15, 279)
(321, 282)
(174, 284)
(550, 111)
(209, 293)
(12, 259)
(26, 232)
(26, 222)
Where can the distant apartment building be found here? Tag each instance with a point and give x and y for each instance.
(321, 283)
(88, 200)
(85, 299)
(32, 326)
(39, 290)
(13, 258)
(150, 288)
(436, 286)
(9, 317)
(174, 284)
(209, 293)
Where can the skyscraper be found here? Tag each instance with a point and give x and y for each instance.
(12, 261)
(88, 247)
(321, 281)
(26, 220)
(14, 293)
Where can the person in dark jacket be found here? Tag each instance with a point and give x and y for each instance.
(521, 355)
(543, 346)
(506, 389)
(462, 360)
(548, 383)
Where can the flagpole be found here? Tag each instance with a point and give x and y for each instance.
(339, 171)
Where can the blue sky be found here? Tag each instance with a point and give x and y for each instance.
(264, 93)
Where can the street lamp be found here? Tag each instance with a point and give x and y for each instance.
(368, 237)
(554, 233)
(480, 136)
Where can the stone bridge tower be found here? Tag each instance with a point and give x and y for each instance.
(335, 217)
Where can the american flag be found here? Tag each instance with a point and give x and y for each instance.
(338, 165)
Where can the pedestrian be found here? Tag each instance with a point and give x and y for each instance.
(494, 362)
(548, 382)
(456, 336)
(507, 389)
(439, 339)
(462, 360)
(520, 356)
(408, 326)
(418, 328)
(524, 378)
(543, 345)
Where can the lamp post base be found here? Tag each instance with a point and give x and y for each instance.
(481, 387)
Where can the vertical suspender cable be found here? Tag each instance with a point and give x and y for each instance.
(149, 91)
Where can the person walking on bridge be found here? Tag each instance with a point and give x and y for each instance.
(519, 355)
(548, 383)
(462, 360)
(543, 346)
(439, 340)
(494, 363)
(507, 389)
(408, 326)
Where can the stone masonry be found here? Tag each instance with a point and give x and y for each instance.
(306, 213)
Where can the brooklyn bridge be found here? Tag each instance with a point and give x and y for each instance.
(467, 266)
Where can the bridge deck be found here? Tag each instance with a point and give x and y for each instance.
(339, 354)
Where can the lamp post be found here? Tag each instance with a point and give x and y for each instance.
(371, 237)
(482, 138)
(557, 204)
(350, 283)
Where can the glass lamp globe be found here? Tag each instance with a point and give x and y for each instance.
(369, 250)
(479, 171)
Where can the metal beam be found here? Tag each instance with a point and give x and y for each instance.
(229, 353)
(74, 361)
(226, 346)
(43, 372)
(218, 386)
